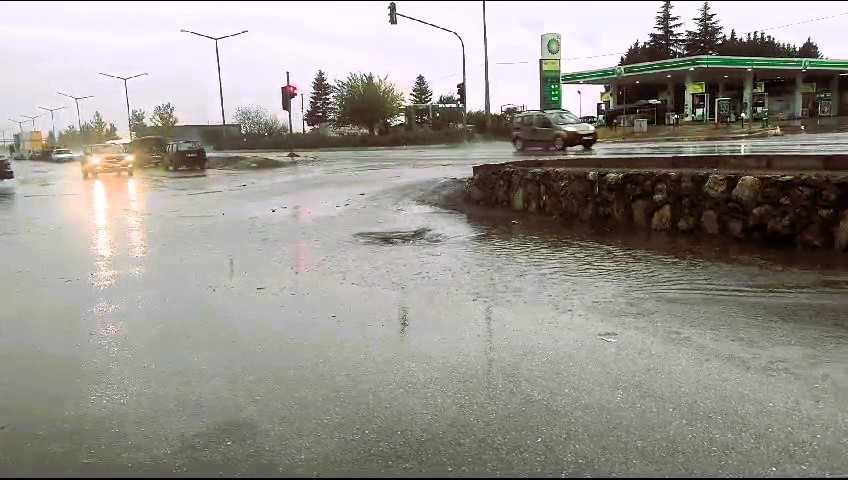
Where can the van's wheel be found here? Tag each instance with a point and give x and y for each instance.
(130, 172)
(588, 145)
(518, 144)
(559, 143)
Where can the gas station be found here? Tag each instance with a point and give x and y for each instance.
(721, 89)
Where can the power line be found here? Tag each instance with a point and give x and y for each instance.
(799, 23)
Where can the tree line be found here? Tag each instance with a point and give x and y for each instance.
(98, 130)
(708, 37)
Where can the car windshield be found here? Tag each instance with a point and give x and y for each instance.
(107, 149)
(188, 145)
(62, 151)
(564, 118)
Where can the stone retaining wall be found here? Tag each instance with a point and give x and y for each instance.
(807, 209)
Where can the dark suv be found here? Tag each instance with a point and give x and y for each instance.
(551, 128)
(184, 153)
(6, 172)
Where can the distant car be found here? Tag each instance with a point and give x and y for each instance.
(104, 158)
(590, 119)
(61, 155)
(6, 172)
(148, 151)
(559, 129)
(184, 153)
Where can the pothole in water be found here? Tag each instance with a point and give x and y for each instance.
(396, 237)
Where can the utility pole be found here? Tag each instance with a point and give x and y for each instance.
(393, 20)
(32, 119)
(52, 121)
(20, 124)
(486, 69)
(217, 59)
(302, 116)
(127, 94)
(291, 128)
(76, 100)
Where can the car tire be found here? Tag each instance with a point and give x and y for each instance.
(559, 143)
(130, 172)
(203, 166)
(587, 145)
(518, 143)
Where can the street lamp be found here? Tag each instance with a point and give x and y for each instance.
(32, 119)
(580, 107)
(126, 92)
(52, 121)
(76, 100)
(486, 64)
(217, 59)
(20, 124)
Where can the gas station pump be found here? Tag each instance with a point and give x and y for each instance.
(701, 107)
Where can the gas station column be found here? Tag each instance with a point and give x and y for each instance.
(670, 94)
(613, 94)
(835, 95)
(799, 84)
(748, 94)
(687, 98)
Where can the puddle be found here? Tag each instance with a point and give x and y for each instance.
(608, 337)
(419, 235)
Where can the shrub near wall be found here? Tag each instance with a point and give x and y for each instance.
(317, 141)
(807, 210)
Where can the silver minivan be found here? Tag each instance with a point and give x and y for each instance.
(559, 129)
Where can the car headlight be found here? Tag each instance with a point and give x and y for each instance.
(95, 160)
(130, 158)
(570, 129)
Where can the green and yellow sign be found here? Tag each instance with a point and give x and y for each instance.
(550, 86)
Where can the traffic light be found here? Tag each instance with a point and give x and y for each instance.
(392, 13)
(460, 92)
(289, 92)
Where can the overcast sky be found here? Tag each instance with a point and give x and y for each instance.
(61, 46)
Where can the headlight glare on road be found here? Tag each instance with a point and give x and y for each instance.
(95, 160)
(130, 158)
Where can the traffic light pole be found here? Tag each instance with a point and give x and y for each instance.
(291, 131)
(464, 84)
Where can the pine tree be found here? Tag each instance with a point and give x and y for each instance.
(421, 95)
(666, 42)
(809, 50)
(320, 101)
(706, 37)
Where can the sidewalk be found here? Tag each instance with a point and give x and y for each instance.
(706, 132)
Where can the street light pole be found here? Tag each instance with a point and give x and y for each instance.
(580, 96)
(76, 100)
(218, 60)
(127, 94)
(20, 124)
(32, 119)
(52, 121)
(486, 68)
(464, 84)
(302, 116)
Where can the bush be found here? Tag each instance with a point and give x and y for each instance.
(314, 140)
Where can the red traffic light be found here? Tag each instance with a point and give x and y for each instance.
(291, 90)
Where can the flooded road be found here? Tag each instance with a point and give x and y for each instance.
(327, 319)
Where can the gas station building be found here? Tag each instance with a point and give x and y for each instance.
(697, 88)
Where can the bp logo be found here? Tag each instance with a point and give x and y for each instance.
(553, 45)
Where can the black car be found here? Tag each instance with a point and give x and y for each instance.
(148, 151)
(6, 172)
(184, 153)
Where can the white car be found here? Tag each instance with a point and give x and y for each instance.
(61, 155)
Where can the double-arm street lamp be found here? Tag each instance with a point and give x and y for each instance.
(32, 119)
(218, 59)
(76, 100)
(52, 120)
(20, 124)
(126, 92)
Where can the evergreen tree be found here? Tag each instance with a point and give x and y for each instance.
(421, 94)
(666, 42)
(809, 50)
(706, 37)
(320, 101)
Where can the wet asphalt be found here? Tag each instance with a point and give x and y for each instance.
(329, 319)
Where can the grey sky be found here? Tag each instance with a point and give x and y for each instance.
(61, 46)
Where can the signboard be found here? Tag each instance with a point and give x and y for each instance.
(606, 97)
(760, 87)
(551, 46)
(723, 110)
(698, 87)
(825, 108)
(550, 85)
(808, 87)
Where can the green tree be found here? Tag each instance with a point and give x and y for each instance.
(163, 116)
(258, 121)
(98, 128)
(137, 120)
(666, 42)
(320, 101)
(448, 99)
(809, 50)
(366, 101)
(421, 95)
(706, 37)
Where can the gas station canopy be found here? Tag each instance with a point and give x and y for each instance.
(664, 67)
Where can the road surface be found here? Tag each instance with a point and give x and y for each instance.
(326, 319)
